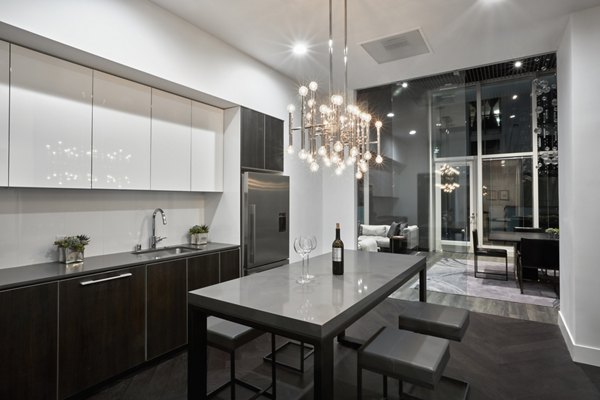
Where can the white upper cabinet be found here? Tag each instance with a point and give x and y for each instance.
(121, 134)
(50, 121)
(4, 93)
(171, 141)
(207, 148)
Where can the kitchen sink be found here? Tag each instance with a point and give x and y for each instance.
(166, 251)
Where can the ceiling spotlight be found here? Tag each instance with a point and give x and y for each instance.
(518, 64)
(390, 115)
(512, 116)
(515, 96)
(412, 132)
(405, 84)
(300, 49)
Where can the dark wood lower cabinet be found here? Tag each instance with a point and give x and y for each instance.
(167, 304)
(203, 271)
(102, 327)
(28, 335)
(230, 265)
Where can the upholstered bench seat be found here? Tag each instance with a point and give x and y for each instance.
(433, 319)
(227, 335)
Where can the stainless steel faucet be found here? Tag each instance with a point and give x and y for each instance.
(155, 239)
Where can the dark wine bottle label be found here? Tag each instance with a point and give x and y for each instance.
(337, 254)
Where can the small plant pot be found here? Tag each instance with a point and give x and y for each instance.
(199, 238)
(72, 256)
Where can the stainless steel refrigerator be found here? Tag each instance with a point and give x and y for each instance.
(265, 220)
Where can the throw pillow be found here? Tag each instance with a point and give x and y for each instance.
(393, 230)
(374, 230)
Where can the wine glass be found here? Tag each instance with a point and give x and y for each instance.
(310, 243)
(299, 247)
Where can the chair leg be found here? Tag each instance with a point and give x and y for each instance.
(232, 373)
(400, 389)
(475, 265)
(385, 394)
(302, 357)
(506, 267)
(359, 383)
(273, 368)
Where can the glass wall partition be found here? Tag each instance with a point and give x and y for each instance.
(465, 150)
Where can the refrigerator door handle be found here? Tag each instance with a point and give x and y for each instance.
(252, 247)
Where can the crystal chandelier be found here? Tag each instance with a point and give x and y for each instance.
(449, 175)
(336, 132)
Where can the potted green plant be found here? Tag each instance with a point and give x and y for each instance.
(71, 248)
(553, 231)
(199, 234)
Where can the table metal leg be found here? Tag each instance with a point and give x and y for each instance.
(197, 355)
(423, 284)
(324, 370)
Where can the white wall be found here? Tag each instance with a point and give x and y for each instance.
(30, 220)
(155, 47)
(339, 205)
(578, 86)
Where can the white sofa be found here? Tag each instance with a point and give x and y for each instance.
(374, 237)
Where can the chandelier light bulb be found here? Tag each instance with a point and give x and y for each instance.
(327, 161)
(308, 117)
(350, 160)
(367, 156)
(322, 151)
(335, 158)
(313, 86)
(290, 149)
(364, 167)
(324, 109)
(353, 151)
(339, 170)
(378, 159)
(378, 124)
(314, 166)
(310, 158)
(311, 103)
(303, 91)
(337, 99)
(302, 154)
(359, 174)
(291, 108)
(338, 146)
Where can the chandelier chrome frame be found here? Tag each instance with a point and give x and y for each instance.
(338, 132)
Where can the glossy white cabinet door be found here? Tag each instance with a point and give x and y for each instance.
(171, 141)
(4, 93)
(207, 148)
(121, 133)
(50, 121)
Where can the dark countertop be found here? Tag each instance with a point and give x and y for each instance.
(53, 271)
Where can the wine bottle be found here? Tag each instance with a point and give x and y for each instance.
(337, 253)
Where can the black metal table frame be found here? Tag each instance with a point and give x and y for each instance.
(323, 346)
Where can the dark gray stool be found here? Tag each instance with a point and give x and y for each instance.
(228, 336)
(404, 355)
(433, 319)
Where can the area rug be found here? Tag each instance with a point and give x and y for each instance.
(456, 277)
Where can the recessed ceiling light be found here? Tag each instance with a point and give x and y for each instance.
(390, 115)
(413, 132)
(515, 96)
(300, 49)
(512, 116)
(438, 124)
(404, 84)
(518, 64)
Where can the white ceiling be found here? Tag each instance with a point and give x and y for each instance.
(461, 33)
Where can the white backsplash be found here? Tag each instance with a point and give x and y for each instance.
(31, 219)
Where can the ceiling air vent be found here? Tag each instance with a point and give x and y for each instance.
(397, 47)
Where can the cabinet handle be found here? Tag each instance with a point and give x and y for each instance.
(110, 278)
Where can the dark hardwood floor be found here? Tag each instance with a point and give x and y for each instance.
(502, 358)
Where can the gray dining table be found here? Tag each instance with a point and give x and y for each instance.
(313, 313)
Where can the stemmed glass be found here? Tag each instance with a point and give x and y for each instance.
(300, 248)
(309, 243)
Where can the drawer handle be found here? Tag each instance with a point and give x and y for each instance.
(111, 278)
